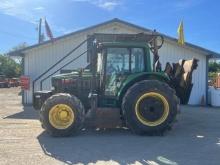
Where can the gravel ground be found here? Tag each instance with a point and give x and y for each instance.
(195, 139)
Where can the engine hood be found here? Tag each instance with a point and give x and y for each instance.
(85, 73)
(69, 78)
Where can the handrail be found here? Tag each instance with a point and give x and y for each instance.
(68, 54)
(41, 82)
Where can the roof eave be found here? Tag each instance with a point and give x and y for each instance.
(209, 53)
(217, 56)
(18, 53)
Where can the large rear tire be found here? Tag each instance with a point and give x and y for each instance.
(150, 107)
(62, 115)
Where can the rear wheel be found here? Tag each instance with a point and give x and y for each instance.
(150, 107)
(62, 115)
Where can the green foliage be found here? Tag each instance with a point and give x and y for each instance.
(212, 75)
(214, 67)
(18, 47)
(9, 67)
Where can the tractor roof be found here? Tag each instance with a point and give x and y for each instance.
(124, 44)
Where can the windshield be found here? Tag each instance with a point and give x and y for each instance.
(117, 60)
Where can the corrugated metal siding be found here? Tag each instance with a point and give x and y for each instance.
(39, 59)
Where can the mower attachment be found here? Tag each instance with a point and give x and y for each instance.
(181, 77)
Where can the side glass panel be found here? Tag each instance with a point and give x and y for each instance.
(117, 64)
(137, 60)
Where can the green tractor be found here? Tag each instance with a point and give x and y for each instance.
(119, 78)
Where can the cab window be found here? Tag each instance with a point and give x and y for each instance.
(121, 62)
(117, 60)
(137, 60)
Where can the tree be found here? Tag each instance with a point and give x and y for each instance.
(17, 48)
(214, 67)
(9, 67)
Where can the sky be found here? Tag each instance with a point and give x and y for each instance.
(20, 18)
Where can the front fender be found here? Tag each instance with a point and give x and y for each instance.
(39, 98)
(132, 79)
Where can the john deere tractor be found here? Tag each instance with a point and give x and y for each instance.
(121, 77)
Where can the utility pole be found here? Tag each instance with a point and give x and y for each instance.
(39, 31)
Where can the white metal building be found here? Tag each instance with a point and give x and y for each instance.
(40, 57)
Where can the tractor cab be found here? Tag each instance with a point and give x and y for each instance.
(116, 62)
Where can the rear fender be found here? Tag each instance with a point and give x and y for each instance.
(131, 80)
(39, 98)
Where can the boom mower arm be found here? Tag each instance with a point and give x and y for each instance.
(180, 75)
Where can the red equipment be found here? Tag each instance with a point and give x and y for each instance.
(25, 82)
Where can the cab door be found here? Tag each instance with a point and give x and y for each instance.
(119, 63)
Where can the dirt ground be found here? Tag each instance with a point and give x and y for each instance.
(194, 140)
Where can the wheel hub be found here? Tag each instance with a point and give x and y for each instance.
(61, 116)
(152, 109)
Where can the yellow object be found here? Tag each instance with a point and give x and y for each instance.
(61, 116)
(180, 32)
(165, 106)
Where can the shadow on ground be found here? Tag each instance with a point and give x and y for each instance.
(195, 139)
(28, 112)
(116, 145)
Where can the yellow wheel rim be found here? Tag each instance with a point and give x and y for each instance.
(61, 116)
(158, 97)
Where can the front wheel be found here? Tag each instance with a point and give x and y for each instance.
(62, 115)
(150, 107)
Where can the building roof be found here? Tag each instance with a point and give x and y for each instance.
(210, 53)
